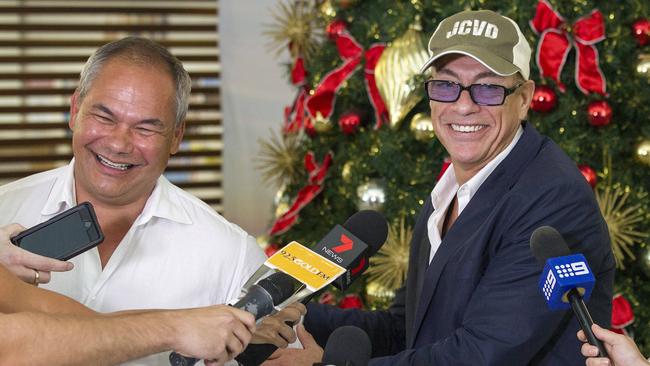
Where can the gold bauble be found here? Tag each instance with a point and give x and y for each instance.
(377, 292)
(643, 152)
(394, 73)
(281, 202)
(346, 171)
(643, 66)
(422, 127)
(322, 124)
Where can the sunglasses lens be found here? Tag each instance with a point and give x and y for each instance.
(443, 91)
(487, 94)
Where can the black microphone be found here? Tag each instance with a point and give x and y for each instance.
(368, 226)
(260, 300)
(347, 346)
(565, 278)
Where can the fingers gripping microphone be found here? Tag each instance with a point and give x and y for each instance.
(260, 301)
(338, 350)
(566, 279)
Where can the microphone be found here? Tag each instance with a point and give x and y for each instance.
(349, 245)
(260, 301)
(370, 228)
(566, 279)
(338, 350)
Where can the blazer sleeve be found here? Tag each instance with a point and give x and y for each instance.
(385, 328)
(506, 321)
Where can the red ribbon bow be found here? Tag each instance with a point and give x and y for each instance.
(622, 314)
(314, 186)
(555, 44)
(321, 103)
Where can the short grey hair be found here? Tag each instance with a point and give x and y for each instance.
(139, 51)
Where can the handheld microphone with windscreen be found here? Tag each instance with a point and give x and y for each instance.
(260, 300)
(347, 346)
(566, 279)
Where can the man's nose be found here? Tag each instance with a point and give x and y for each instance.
(120, 141)
(465, 104)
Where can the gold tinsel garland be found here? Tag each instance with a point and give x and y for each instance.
(388, 267)
(279, 158)
(296, 25)
(622, 220)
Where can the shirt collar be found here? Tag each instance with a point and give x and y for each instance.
(163, 202)
(448, 181)
(62, 195)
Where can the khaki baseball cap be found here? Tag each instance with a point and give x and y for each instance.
(489, 38)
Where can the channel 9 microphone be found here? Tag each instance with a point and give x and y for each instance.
(347, 346)
(348, 246)
(566, 279)
(260, 300)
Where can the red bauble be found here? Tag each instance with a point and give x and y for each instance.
(309, 128)
(349, 123)
(327, 298)
(351, 301)
(589, 174)
(271, 249)
(446, 162)
(600, 113)
(335, 28)
(544, 99)
(641, 31)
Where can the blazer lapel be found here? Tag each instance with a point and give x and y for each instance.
(470, 220)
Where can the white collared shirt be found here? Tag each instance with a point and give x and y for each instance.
(447, 187)
(179, 252)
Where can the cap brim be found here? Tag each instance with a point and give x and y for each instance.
(495, 63)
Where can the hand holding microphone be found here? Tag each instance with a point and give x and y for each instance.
(260, 300)
(566, 278)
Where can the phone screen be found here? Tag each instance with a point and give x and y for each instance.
(61, 238)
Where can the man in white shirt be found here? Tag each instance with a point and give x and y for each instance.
(163, 247)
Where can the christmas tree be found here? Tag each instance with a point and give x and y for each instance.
(358, 134)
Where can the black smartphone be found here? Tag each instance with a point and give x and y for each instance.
(64, 236)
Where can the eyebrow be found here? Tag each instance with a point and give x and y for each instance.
(484, 74)
(150, 121)
(104, 109)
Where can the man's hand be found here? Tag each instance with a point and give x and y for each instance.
(309, 355)
(29, 267)
(216, 333)
(275, 330)
(621, 349)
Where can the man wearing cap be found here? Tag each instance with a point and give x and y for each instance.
(471, 296)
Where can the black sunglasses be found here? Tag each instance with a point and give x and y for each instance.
(482, 94)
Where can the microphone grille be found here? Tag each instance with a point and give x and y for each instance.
(370, 227)
(347, 345)
(546, 242)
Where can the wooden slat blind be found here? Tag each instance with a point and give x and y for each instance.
(43, 46)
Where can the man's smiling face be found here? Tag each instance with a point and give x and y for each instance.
(474, 134)
(124, 132)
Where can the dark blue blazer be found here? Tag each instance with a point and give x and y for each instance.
(478, 302)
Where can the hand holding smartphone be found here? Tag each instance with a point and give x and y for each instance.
(64, 236)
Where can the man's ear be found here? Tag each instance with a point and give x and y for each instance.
(74, 109)
(527, 89)
(177, 138)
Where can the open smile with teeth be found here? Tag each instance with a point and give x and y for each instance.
(467, 128)
(113, 165)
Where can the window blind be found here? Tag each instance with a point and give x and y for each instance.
(43, 46)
